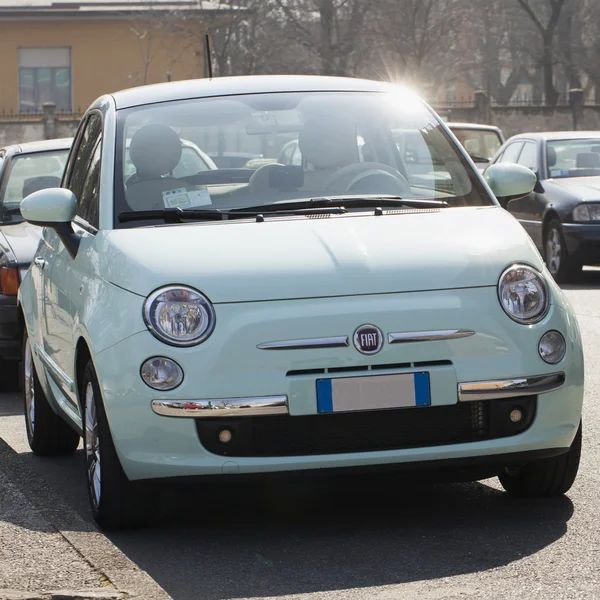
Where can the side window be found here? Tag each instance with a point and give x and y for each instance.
(87, 207)
(84, 178)
(83, 154)
(528, 157)
(511, 153)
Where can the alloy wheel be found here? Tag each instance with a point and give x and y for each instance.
(553, 251)
(29, 389)
(92, 446)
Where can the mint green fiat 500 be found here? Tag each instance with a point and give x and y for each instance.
(366, 304)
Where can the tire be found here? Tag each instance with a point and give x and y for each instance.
(545, 478)
(562, 266)
(114, 500)
(47, 433)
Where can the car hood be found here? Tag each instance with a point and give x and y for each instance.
(339, 256)
(23, 239)
(584, 188)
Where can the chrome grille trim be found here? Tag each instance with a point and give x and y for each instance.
(507, 388)
(252, 406)
(428, 336)
(329, 342)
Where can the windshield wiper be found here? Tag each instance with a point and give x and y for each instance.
(475, 158)
(362, 202)
(178, 215)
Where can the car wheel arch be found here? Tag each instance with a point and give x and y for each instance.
(551, 215)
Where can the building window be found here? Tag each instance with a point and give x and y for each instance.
(44, 76)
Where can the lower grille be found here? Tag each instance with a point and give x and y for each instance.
(284, 435)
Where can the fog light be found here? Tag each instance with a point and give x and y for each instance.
(552, 347)
(225, 436)
(161, 373)
(516, 415)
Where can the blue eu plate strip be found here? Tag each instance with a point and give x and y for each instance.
(422, 395)
(324, 396)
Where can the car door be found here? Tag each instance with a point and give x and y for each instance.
(63, 282)
(530, 209)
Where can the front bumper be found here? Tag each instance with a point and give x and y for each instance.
(583, 242)
(229, 365)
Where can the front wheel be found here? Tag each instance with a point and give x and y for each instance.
(544, 478)
(562, 266)
(113, 500)
(47, 433)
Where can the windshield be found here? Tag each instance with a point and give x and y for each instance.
(340, 145)
(28, 173)
(573, 158)
(480, 145)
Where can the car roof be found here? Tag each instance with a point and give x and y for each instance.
(557, 135)
(40, 146)
(250, 84)
(478, 126)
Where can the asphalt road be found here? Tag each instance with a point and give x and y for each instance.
(367, 538)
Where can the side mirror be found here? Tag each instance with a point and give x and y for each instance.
(54, 208)
(510, 181)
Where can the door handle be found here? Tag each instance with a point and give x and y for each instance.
(39, 262)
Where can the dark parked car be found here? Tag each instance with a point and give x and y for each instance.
(562, 214)
(24, 168)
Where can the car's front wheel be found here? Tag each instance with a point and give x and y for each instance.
(47, 433)
(562, 266)
(544, 478)
(112, 496)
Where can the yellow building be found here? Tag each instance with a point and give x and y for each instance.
(70, 52)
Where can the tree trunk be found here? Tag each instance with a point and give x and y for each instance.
(326, 17)
(550, 93)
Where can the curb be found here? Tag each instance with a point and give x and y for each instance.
(128, 580)
(60, 595)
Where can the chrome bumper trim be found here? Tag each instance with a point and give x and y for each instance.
(329, 342)
(506, 388)
(222, 407)
(428, 336)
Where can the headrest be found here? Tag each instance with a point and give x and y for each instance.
(595, 149)
(551, 156)
(155, 150)
(588, 160)
(328, 143)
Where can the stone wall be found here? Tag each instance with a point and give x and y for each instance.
(16, 129)
(521, 119)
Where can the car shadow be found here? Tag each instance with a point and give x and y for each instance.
(589, 279)
(11, 405)
(320, 535)
(291, 536)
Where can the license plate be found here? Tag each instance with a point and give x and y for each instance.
(378, 392)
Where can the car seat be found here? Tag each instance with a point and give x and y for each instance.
(327, 143)
(155, 151)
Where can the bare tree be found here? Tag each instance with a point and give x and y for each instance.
(545, 17)
(329, 30)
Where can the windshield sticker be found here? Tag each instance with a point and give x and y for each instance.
(182, 198)
(558, 173)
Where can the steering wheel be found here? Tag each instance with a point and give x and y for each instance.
(349, 177)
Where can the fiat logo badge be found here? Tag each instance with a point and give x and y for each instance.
(368, 339)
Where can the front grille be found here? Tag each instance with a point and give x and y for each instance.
(284, 435)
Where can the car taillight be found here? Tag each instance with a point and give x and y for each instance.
(9, 280)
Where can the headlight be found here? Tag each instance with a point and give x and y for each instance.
(523, 294)
(179, 316)
(587, 212)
